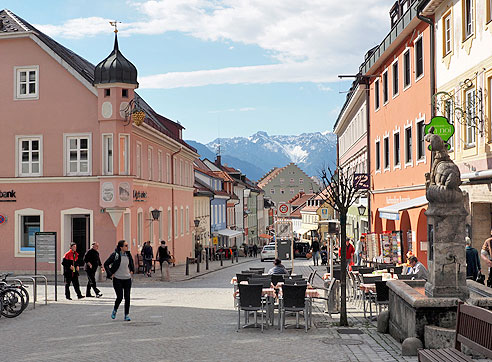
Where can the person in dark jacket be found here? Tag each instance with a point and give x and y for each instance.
(119, 267)
(255, 250)
(147, 255)
(71, 266)
(315, 251)
(472, 261)
(92, 262)
(163, 256)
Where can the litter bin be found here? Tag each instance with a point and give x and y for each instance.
(284, 249)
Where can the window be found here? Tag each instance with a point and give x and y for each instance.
(159, 165)
(470, 117)
(29, 225)
(175, 163)
(272, 191)
(139, 160)
(169, 224)
(396, 79)
(29, 156)
(161, 225)
(396, 149)
(107, 154)
(124, 155)
(282, 191)
(223, 213)
(301, 190)
(292, 191)
(181, 220)
(406, 69)
(149, 161)
(449, 115)
(446, 34)
(420, 140)
(27, 82)
(468, 18)
(181, 171)
(139, 227)
(386, 153)
(378, 156)
(489, 11)
(168, 168)
(187, 220)
(301, 181)
(282, 180)
(124, 93)
(376, 94)
(151, 227)
(175, 222)
(78, 160)
(408, 145)
(419, 58)
(291, 180)
(385, 87)
(107, 92)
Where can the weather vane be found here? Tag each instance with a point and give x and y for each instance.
(115, 24)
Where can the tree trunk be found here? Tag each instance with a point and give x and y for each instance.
(343, 269)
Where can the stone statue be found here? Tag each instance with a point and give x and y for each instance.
(442, 183)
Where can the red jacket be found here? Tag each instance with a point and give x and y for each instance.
(350, 251)
(70, 258)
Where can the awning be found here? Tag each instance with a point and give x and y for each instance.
(265, 236)
(302, 231)
(229, 233)
(392, 212)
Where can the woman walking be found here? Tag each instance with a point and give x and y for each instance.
(164, 259)
(119, 267)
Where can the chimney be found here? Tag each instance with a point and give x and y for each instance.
(218, 161)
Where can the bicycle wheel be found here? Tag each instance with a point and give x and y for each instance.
(12, 301)
(25, 295)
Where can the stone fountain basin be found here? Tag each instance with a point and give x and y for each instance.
(411, 310)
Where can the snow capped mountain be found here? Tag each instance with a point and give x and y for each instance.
(310, 151)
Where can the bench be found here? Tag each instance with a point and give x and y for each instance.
(473, 329)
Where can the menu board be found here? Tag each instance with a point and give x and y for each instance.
(373, 251)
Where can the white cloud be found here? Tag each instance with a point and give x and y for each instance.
(324, 88)
(243, 109)
(311, 40)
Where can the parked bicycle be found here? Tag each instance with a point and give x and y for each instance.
(14, 297)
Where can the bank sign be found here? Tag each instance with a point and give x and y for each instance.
(7, 196)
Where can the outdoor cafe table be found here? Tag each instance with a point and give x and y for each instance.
(371, 288)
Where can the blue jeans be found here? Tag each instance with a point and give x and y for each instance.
(316, 257)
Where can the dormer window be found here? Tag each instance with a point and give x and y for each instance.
(124, 93)
(27, 82)
(107, 92)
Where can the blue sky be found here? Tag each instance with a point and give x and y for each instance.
(226, 67)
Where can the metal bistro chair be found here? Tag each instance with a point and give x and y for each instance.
(252, 272)
(371, 298)
(397, 269)
(250, 300)
(295, 282)
(242, 277)
(265, 282)
(311, 277)
(293, 300)
(258, 269)
(277, 278)
(382, 294)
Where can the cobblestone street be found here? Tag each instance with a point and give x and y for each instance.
(190, 320)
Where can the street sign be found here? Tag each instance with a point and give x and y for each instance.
(361, 181)
(2, 219)
(442, 128)
(45, 244)
(284, 230)
(215, 240)
(283, 209)
(324, 213)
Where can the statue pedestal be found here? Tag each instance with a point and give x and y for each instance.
(446, 251)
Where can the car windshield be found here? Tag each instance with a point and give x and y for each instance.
(269, 247)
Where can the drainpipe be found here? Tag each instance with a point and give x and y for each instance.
(172, 195)
(368, 137)
(429, 21)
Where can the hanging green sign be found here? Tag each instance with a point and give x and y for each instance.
(442, 128)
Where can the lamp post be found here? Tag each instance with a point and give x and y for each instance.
(362, 209)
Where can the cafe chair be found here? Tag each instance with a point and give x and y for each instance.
(382, 295)
(396, 269)
(277, 278)
(295, 282)
(242, 277)
(368, 296)
(250, 300)
(293, 300)
(311, 277)
(257, 270)
(265, 282)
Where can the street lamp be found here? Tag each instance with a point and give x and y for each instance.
(155, 215)
(362, 210)
(197, 222)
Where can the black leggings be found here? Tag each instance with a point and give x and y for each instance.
(122, 286)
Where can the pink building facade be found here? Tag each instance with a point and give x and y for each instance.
(75, 163)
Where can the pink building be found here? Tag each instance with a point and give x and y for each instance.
(76, 162)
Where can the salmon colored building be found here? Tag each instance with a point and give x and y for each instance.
(399, 77)
(76, 162)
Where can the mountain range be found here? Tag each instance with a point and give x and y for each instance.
(257, 154)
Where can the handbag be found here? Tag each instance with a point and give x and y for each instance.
(309, 255)
(172, 259)
(480, 278)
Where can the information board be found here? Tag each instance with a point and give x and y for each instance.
(45, 244)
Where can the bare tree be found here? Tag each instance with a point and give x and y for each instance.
(340, 190)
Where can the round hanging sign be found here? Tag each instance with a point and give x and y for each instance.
(2, 219)
(283, 208)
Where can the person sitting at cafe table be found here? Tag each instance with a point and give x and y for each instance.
(418, 269)
(278, 268)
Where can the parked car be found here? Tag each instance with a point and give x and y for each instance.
(301, 249)
(268, 252)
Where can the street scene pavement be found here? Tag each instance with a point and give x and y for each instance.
(192, 320)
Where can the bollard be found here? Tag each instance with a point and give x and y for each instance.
(221, 263)
(232, 257)
(198, 265)
(187, 266)
(206, 259)
(237, 256)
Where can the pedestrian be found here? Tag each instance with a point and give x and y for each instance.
(255, 250)
(163, 256)
(472, 261)
(250, 248)
(71, 265)
(315, 251)
(359, 250)
(147, 255)
(119, 267)
(349, 253)
(486, 255)
(278, 268)
(418, 269)
(92, 262)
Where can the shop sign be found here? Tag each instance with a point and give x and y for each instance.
(107, 191)
(442, 128)
(361, 181)
(215, 240)
(324, 213)
(2, 219)
(7, 196)
(139, 196)
(124, 191)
